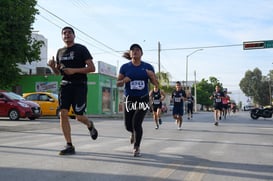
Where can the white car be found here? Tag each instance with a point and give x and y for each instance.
(248, 107)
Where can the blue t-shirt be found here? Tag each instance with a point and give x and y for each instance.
(138, 86)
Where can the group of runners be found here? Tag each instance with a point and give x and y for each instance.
(74, 61)
(178, 97)
(221, 103)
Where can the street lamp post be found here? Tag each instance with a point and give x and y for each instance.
(187, 59)
(270, 90)
(195, 93)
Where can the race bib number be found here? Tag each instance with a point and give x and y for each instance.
(137, 85)
(156, 101)
(218, 100)
(177, 99)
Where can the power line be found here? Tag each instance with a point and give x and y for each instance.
(97, 41)
(47, 19)
(190, 48)
(50, 21)
(200, 47)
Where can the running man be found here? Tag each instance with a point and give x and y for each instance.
(217, 103)
(225, 103)
(190, 101)
(73, 62)
(178, 97)
(157, 96)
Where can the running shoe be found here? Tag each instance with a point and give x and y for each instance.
(69, 150)
(93, 132)
(156, 127)
(216, 123)
(136, 152)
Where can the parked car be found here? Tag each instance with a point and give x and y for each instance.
(248, 107)
(48, 102)
(15, 106)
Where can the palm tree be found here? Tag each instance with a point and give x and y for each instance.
(164, 78)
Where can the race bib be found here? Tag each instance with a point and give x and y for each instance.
(218, 100)
(137, 85)
(156, 101)
(177, 99)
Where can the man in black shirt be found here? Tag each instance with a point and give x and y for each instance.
(73, 62)
(156, 97)
(217, 103)
(178, 97)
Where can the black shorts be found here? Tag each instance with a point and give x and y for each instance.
(225, 106)
(178, 110)
(74, 95)
(218, 106)
(157, 106)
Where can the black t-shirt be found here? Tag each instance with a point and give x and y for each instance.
(190, 99)
(74, 57)
(177, 97)
(217, 96)
(156, 97)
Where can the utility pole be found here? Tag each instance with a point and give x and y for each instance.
(187, 59)
(159, 49)
(270, 91)
(195, 93)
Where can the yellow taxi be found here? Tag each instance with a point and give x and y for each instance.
(48, 102)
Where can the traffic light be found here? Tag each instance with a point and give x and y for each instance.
(253, 45)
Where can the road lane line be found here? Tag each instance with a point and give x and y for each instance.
(195, 174)
(166, 172)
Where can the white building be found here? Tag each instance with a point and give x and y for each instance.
(38, 67)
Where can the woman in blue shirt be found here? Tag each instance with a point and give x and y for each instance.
(135, 76)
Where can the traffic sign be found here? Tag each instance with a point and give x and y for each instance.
(269, 44)
(249, 45)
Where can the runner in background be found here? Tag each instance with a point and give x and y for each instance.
(178, 97)
(157, 96)
(217, 103)
(190, 101)
(225, 103)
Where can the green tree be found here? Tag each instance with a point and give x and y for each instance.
(164, 78)
(257, 86)
(164, 81)
(16, 45)
(205, 88)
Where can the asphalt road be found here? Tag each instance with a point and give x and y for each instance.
(238, 149)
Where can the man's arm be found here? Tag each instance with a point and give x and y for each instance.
(162, 95)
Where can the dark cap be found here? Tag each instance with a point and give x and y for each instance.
(68, 27)
(135, 46)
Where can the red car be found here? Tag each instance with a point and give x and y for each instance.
(15, 106)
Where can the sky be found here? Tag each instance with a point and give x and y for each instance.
(218, 27)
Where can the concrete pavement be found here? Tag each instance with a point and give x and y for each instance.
(238, 149)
